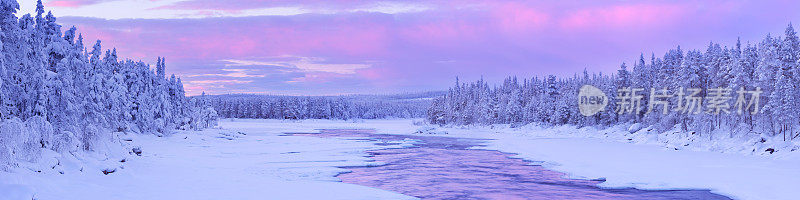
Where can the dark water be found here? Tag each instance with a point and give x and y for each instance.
(444, 168)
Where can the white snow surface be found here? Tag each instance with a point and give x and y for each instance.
(206, 165)
(643, 160)
(262, 164)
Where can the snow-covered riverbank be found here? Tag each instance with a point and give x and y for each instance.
(210, 164)
(641, 162)
(226, 164)
(652, 166)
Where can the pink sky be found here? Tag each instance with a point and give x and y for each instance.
(316, 47)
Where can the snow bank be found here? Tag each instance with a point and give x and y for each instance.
(641, 159)
(647, 160)
(246, 160)
(227, 164)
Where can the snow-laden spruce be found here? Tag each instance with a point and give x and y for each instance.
(54, 94)
(771, 66)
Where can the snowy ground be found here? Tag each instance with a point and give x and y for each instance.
(207, 165)
(652, 166)
(223, 164)
(642, 160)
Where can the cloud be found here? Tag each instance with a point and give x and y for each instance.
(392, 7)
(312, 68)
(223, 82)
(234, 73)
(305, 64)
(195, 87)
(317, 77)
(306, 6)
(394, 46)
(150, 9)
(281, 72)
(183, 9)
(622, 16)
(73, 3)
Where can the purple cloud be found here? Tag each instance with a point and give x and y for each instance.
(251, 4)
(359, 52)
(73, 3)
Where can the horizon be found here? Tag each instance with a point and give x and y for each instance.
(318, 48)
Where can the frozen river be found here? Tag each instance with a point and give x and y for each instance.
(447, 168)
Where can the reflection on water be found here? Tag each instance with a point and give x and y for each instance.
(444, 168)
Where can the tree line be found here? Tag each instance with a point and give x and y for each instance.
(321, 107)
(770, 66)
